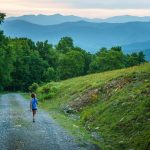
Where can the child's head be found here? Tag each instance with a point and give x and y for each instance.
(33, 95)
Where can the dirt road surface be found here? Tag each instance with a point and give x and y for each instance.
(18, 132)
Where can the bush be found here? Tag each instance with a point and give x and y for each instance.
(48, 91)
(33, 87)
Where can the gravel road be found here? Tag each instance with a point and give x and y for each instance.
(18, 132)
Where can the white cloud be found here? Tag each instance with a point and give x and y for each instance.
(108, 4)
(94, 8)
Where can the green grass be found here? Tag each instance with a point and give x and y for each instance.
(114, 105)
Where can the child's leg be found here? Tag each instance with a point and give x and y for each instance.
(34, 112)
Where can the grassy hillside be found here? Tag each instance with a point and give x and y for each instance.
(112, 109)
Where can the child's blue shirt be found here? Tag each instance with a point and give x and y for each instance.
(34, 103)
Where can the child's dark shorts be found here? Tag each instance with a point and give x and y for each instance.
(34, 110)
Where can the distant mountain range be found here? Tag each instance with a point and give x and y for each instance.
(137, 47)
(58, 18)
(132, 36)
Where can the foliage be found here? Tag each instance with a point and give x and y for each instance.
(49, 74)
(48, 91)
(2, 17)
(33, 87)
(65, 45)
(71, 65)
(114, 59)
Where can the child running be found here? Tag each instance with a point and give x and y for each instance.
(33, 105)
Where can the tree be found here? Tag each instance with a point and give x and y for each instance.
(2, 17)
(6, 63)
(108, 60)
(33, 87)
(135, 59)
(49, 74)
(87, 58)
(141, 57)
(71, 64)
(29, 66)
(117, 48)
(65, 45)
(103, 50)
(6, 58)
(48, 53)
(132, 59)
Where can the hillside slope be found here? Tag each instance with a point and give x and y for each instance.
(112, 107)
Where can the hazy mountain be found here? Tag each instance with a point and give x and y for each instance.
(90, 36)
(137, 47)
(58, 18)
(127, 18)
(51, 19)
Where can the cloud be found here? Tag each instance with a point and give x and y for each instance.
(108, 4)
(82, 4)
(94, 8)
(32, 3)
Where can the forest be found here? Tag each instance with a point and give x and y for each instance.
(24, 62)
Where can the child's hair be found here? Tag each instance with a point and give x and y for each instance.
(33, 95)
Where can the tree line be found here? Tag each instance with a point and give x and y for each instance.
(24, 62)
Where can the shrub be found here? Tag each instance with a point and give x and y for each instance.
(33, 87)
(48, 91)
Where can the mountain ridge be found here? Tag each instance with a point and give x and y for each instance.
(58, 18)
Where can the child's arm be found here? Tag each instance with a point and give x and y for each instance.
(30, 106)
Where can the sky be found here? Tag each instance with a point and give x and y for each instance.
(83, 8)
